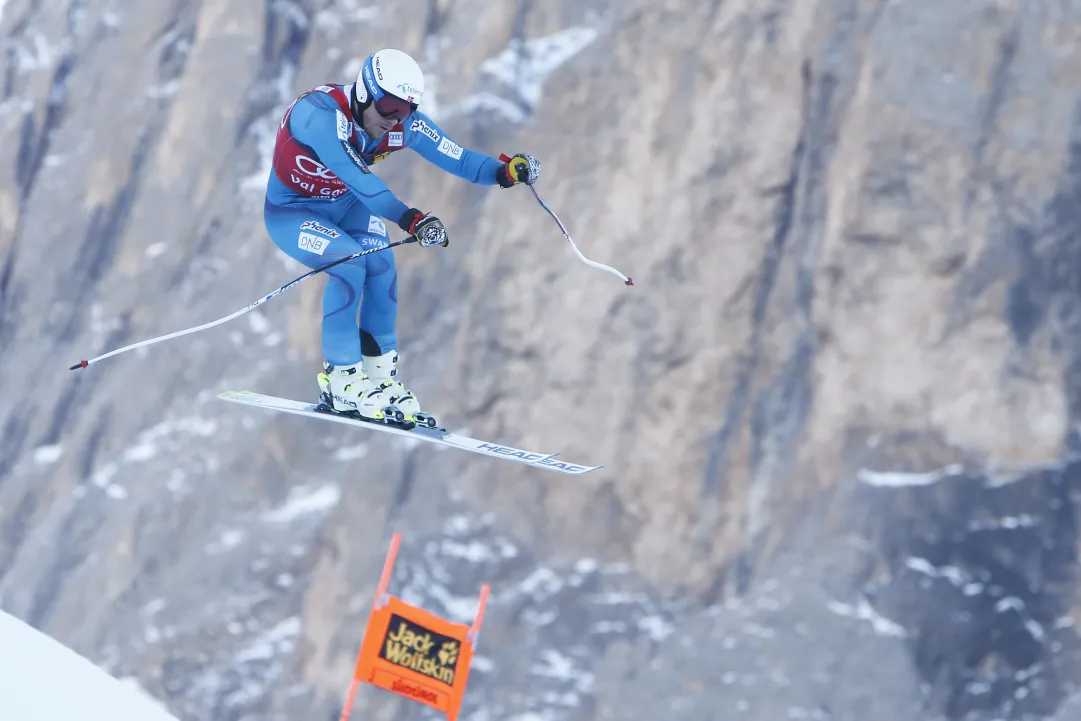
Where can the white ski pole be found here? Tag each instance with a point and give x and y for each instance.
(626, 281)
(226, 319)
(587, 261)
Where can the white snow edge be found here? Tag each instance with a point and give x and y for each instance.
(43, 680)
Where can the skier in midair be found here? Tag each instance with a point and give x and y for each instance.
(323, 202)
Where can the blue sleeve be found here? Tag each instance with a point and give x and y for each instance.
(318, 122)
(429, 140)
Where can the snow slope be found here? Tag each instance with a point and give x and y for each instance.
(42, 680)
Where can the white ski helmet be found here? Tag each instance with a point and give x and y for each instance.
(393, 81)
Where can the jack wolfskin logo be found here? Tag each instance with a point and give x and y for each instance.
(422, 650)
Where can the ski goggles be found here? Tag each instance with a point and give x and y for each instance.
(394, 108)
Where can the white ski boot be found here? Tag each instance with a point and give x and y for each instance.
(383, 371)
(346, 389)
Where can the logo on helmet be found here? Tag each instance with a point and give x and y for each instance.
(368, 82)
(407, 92)
(378, 70)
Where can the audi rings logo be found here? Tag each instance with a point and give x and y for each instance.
(310, 167)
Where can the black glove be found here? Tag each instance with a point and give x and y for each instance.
(521, 168)
(427, 229)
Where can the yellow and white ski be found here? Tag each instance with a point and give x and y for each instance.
(439, 436)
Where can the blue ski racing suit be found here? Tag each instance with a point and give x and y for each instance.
(323, 202)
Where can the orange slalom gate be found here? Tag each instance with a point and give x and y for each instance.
(413, 653)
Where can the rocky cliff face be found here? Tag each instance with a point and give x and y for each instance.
(837, 410)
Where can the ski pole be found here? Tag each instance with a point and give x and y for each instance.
(587, 261)
(226, 319)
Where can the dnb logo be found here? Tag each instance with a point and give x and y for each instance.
(312, 243)
(419, 649)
